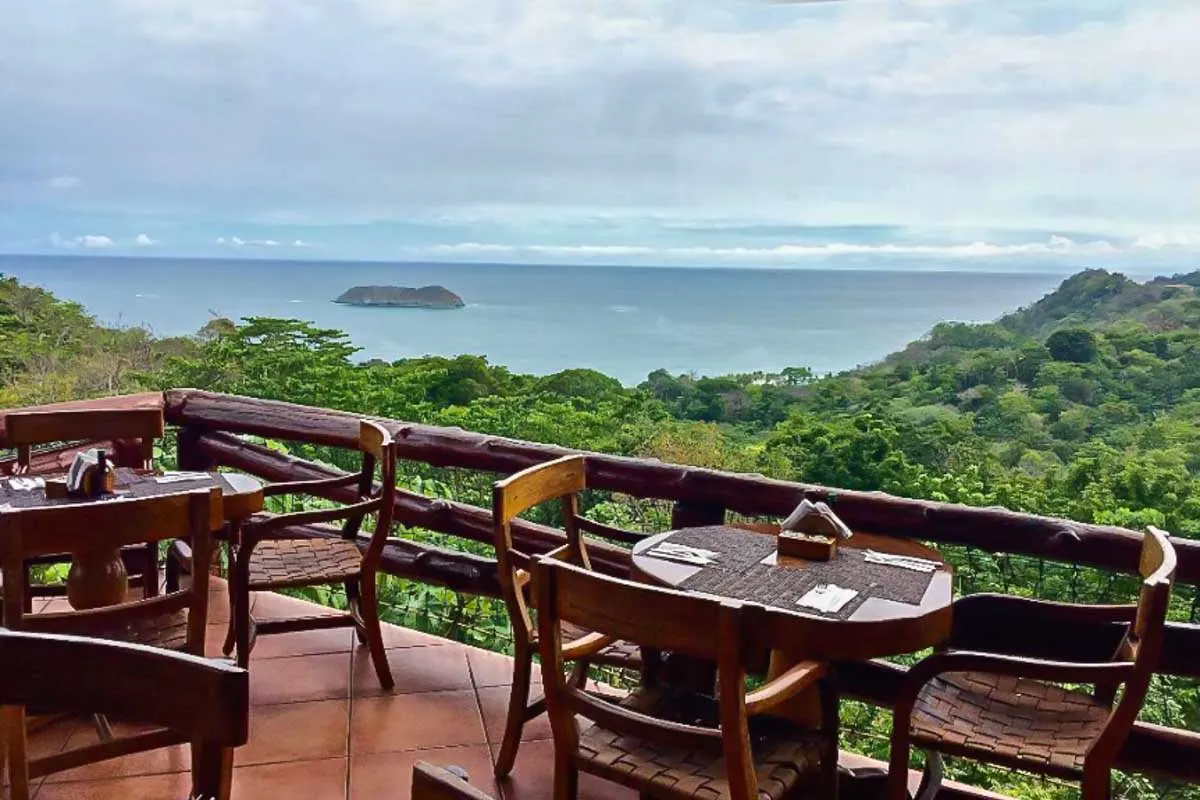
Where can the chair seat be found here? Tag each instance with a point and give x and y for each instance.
(1009, 720)
(786, 757)
(280, 563)
(164, 631)
(620, 654)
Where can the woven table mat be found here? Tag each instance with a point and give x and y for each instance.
(126, 482)
(740, 575)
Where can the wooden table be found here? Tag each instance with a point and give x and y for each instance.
(97, 577)
(877, 628)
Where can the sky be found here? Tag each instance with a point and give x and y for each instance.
(730, 132)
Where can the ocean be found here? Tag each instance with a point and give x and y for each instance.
(623, 321)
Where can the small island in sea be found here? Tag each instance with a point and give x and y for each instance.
(400, 297)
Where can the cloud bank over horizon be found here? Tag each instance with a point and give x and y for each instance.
(641, 132)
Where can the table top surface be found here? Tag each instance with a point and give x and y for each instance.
(242, 494)
(878, 627)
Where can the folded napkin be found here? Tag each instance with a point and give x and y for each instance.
(683, 548)
(816, 518)
(26, 484)
(179, 477)
(685, 555)
(827, 598)
(904, 562)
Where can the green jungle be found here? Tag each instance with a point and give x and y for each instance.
(1085, 405)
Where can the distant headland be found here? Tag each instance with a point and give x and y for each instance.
(400, 297)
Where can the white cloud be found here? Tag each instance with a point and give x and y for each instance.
(88, 240)
(143, 240)
(1071, 114)
(64, 182)
(1053, 246)
(237, 241)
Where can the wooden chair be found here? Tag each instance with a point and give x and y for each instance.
(1010, 708)
(301, 549)
(131, 434)
(430, 782)
(174, 621)
(189, 699)
(667, 743)
(559, 480)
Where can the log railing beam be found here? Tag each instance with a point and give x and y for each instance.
(991, 529)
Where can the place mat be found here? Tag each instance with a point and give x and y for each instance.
(737, 549)
(740, 575)
(127, 483)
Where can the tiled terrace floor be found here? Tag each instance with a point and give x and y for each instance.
(322, 729)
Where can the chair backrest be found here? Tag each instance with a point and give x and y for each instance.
(139, 427)
(693, 624)
(431, 782)
(561, 480)
(108, 525)
(1143, 643)
(191, 699)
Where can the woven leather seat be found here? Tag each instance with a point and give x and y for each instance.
(278, 563)
(786, 757)
(624, 655)
(167, 632)
(966, 713)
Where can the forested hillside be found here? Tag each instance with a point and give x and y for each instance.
(1085, 404)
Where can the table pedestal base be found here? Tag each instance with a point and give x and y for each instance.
(97, 578)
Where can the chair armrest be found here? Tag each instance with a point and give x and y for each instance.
(265, 528)
(307, 487)
(586, 645)
(784, 687)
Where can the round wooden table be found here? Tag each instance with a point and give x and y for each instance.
(97, 577)
(876, 628)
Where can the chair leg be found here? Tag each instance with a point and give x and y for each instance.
(212, 771)
(518, 702)
(173, 571)
(1097, 785)
(150, 570)
(372, 631)
(353, 599)
(231, 631)
(12, 734)
(931, 778)
(239, 611)
(897, 785)
(830, 728)
(28, 598)
(566, 777)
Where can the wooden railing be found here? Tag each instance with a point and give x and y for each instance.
(209, 425)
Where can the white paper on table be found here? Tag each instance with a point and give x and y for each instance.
(828, 598)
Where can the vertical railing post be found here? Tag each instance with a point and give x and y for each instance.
(692, 514)
(189, 456)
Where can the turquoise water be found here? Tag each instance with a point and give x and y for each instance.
(623, 321)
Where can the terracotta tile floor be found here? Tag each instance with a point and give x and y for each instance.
(321, 728)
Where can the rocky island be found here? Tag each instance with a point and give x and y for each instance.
(400, 297)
